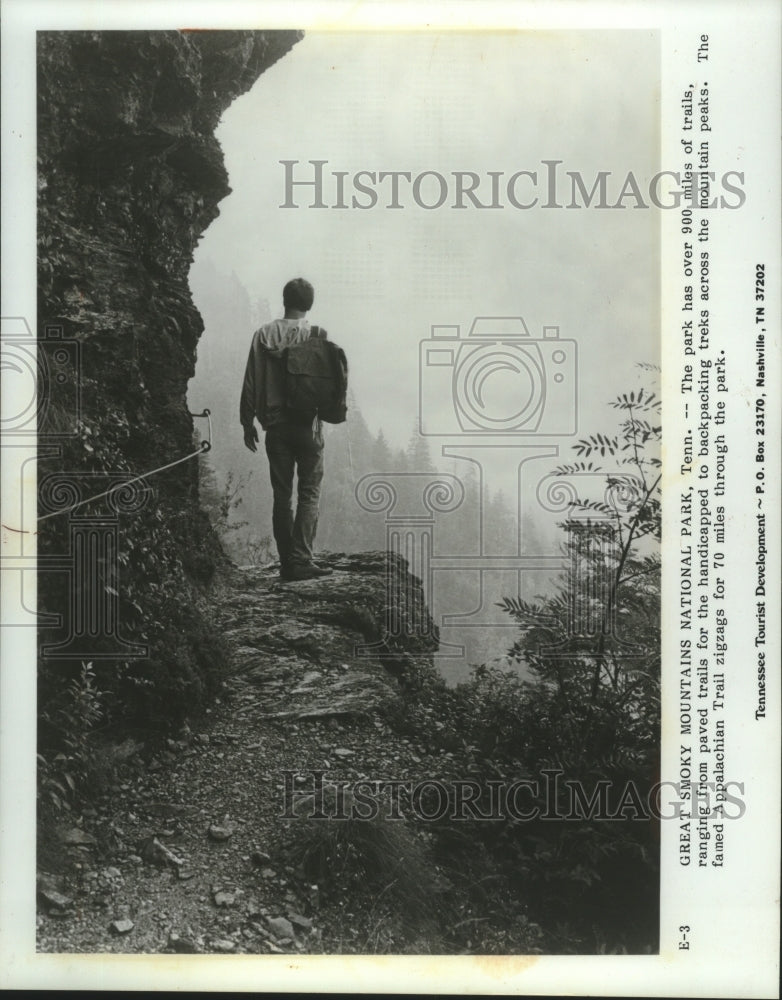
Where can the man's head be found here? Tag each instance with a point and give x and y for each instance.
(298, 294)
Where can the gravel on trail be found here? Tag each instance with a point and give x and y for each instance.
(190, 852)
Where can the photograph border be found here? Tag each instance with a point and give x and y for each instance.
(706, 967)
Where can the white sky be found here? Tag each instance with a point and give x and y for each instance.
(498, 101)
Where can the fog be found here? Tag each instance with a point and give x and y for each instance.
(422, 253)
(446, 102)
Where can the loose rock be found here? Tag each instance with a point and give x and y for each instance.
(182, 945)
(78, 837)
(220, 833)
(157, 853)
(55, 899)
(280, 927)
(224, 945)
(121, 926)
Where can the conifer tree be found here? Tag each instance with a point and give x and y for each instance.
(382, 459)
(419, 457)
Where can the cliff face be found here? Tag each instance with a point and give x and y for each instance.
(130, 176)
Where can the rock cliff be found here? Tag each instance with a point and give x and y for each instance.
(130, 174)
(326, 648)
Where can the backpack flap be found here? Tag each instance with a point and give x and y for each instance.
(316, 381)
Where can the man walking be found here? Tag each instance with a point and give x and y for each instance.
(292, 443)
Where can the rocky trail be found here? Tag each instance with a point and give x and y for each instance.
(195, 850)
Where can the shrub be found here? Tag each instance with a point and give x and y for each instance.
(70, 721)
(588, 708)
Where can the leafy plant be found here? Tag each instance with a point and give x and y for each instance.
(220, 503)
(74, 718)
(611, 592)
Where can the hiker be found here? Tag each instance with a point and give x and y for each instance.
(293, 440)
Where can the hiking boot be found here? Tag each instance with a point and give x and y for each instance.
(310, 572)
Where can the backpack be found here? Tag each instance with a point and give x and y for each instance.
(316, 379)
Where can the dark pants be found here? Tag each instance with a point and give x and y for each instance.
(294, 446)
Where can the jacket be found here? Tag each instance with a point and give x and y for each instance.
(263, 389)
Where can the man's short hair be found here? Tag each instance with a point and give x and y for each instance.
(298, 294)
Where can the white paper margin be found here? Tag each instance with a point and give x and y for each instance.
(733, 919)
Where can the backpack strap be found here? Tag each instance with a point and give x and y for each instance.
(317, 332)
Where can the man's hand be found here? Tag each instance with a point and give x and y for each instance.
(251, 438)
